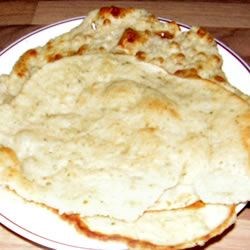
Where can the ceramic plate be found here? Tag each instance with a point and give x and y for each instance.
(41, 225)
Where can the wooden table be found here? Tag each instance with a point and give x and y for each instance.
(229, 21)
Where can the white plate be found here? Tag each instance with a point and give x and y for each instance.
(39, 225)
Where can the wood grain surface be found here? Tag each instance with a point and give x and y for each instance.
(228, 21)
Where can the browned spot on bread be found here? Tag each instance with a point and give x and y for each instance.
(21, 67)
(187, 73)
(174, 45)
(55, 57)
(8, 158)
(49, 45)
(116, 12)
(101, 49)
(157, 60)
(149, 129)
(197, 204)
(106, 21)
(178, 57)
(141, 55)
(117, 90)
(164, 34)
(160, 59)
(201, 32)
(201, 54)
(82, 49)
(219, 78)
(32, 53)
(131, 36)
(205, 35)
(158, 105)
(119, 53)
(216, 59)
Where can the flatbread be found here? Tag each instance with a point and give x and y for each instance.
(125, 131)
(174, 229)
(78, 135)
(132, 126)
(179, 196)
(130, 31)
(184, 193)
(89, 36)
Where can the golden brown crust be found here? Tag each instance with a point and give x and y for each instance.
(82, 49)
(106, 21)
(8, 155)
(218, 78)
(132, 243)
(132, 36)
(135, 244)
(141, 55)
(20, 67)
(205, 35)
(55, 57)
(114, 11)
(160, 106)
(132, 41)
(187, 73)
(8, 158)
(196, 205)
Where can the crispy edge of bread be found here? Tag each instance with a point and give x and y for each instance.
(134, 244)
